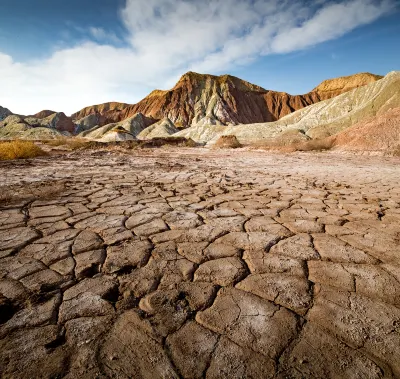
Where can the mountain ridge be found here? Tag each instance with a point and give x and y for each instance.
(220, 100)
(319, 120)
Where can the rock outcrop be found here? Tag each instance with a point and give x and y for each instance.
(31, 128)
(134, 125)
(58, 121)
(99, 115)
(217, 100)
(117, 134)
(376, 134)
(337, 86)
(43, 114)
(161, 129)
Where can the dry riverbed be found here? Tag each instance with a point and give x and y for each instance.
(191, 263)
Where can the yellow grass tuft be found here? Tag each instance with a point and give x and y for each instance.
(315, 145)
(19, 150)
(72, 143)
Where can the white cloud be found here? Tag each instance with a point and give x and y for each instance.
(100, 35)
(168, 37)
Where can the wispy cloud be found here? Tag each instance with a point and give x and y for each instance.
(101, 35)
(167, 37)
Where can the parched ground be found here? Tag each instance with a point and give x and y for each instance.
(197, 264)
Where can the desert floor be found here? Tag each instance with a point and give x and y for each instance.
(191, 263)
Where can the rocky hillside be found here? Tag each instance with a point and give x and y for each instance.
(317, 121)
(161, 129)
(217, 100)
(378, 133)
(99, 115)
(17, 127)
(43, 114)
(334, 87)
(54, 125)
(133, 125)
(58, 121)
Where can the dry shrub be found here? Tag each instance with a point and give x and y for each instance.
(276, 144)
(19, 150)
(227, 142)
(56, 141)
(78, 143)
(396, 151)
(72, 143)
(167, 141)
(272, 144)
(315, 145)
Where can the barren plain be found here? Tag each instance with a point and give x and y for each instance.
(191, 263)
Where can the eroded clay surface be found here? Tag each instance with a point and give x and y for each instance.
(197, 264)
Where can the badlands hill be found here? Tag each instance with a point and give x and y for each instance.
(52, 126)
(317, 121)
(43, 114)
(132, 125)
(199, 99)
(203, 107)
(380, 133)
(101, 114)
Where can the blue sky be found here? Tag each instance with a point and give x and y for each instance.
(64, 55)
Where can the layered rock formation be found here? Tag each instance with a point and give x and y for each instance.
(380, 133)
(196, 100)
(117, 134)
(334, 87)
(317, 121)
(58, 121)
(134, 125)
(21, 127)
(161, 129)
(217, 100)
(99, 115)
(43, 114)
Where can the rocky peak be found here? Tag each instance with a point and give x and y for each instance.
(222, 81)
(346, 83)
(4, 112)
(43, 114)
(100, 114)
(112, 106)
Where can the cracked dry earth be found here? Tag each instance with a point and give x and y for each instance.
(198, 264)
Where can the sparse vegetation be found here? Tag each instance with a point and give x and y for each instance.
(19, 150)
(70, 143)
(56, 141)
(315, 145)
(282, 146)
(227, 142)
(167, 141)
